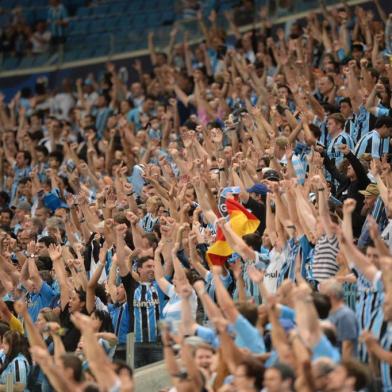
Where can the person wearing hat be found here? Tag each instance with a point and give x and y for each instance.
(335, 124)
(371, 193)
(372, 206)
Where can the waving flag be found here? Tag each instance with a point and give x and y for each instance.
(242, 222)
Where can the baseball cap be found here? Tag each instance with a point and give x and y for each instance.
(371, 190)
(271, 175)
(259, 189)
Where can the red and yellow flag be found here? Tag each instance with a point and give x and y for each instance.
(242, 222)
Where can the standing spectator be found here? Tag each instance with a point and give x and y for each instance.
(40, 38)
(58, 21)
(342, 317)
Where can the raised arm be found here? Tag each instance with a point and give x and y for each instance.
(58, 265)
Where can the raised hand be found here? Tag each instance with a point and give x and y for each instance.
(55, 252)
(349, 206)
(255, 275)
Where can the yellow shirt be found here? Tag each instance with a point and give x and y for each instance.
(16, 325)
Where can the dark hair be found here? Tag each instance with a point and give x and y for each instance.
(36, 136)
(71, 361)
(3, 329)
(248, 310)
(57, 155)
(357, 370)
(322, 304)
(91, 388)
(47, 240)
(253, 240)
(7, 211)
(346, 100)
(254, 369)
(106, 321)
(384, 120)
(100, 292)
(81, 294)
(27, 156)
(42, 149)
(24, 180)
(120, 365)
(142, 260)
(286, 372)
(18, 345)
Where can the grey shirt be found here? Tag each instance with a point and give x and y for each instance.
(346, 325)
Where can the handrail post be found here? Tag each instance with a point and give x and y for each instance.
(9, 385)
(130, 353)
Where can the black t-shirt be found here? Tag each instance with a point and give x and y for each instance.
(258, 210)
(72, 334)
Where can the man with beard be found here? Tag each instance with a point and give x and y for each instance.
(373, 206)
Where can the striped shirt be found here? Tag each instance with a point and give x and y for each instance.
(324, 264)
(147, 309)
(369, 308)
(148, 222)
(380, 216)
(210, 285)
(19, 368)
(385, 367)
(361, 124)
(334, 154)
(119, 314)
(288, 269)
(373, 144)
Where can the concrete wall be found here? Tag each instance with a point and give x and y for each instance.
(152, 378)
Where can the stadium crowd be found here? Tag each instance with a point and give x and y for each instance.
(231, 208)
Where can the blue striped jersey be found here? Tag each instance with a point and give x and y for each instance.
(349, 127)
(325, 137)
(333, 152)
(148, 222)
(288, 269)
(385, 367)
(369, 308)
(261, 262)
(210, 285)
(372, 143)
(109, 348)
(147, 310)
(19, 368)
(120, 316)
(361, 124)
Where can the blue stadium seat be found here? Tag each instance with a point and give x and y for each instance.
(10, 63)
(72, 55)
(83, 12)
(41, 13)
(41, 59)
(26, 62)
(101, 10)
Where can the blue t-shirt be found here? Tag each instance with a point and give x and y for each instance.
(247, 336)
(346, 324)
(42, 299)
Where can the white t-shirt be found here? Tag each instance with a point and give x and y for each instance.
(40, 42)
(172, 310)
(272, 271)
